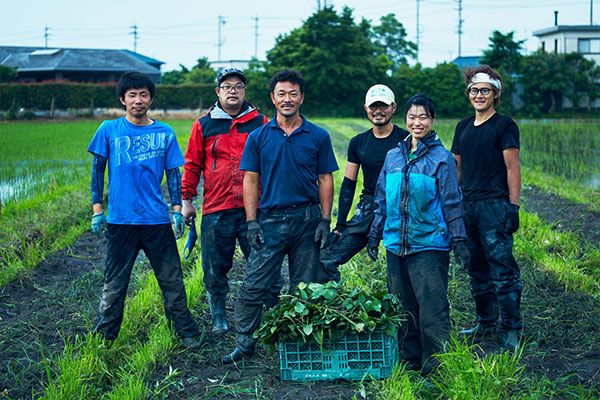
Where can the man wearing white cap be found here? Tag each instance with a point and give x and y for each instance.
(366, 150)
(486, 147)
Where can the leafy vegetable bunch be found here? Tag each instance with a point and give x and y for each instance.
(325, 312)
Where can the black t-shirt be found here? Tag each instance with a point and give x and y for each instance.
(369, 152)
(482, 162)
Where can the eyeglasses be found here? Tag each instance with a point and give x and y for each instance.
(422, 117)
(381, 106)
(229, 88)
(484, 91)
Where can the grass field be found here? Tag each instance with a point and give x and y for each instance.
(53, 212)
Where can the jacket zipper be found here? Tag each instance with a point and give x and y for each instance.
(215, 146)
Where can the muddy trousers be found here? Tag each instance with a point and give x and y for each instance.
(158, 243)
(494, 272)
(420, 281)
(354, 238)
(219, 232)
(289, 231)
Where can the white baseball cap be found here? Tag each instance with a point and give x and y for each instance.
(380, 93)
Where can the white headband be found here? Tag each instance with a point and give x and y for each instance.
(482, 77)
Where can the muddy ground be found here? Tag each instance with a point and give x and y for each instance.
(59, 299)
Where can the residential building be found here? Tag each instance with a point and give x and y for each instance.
(37, 64)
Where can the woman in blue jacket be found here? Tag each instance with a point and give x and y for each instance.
(419, 217)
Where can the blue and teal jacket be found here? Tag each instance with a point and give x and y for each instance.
(419, 202)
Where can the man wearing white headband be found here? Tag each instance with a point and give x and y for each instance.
(486, 147)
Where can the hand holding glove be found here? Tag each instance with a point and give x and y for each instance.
(99, 224)
(322, 232)
(512, 218)
(178, 224)
(255, 235)
(461, 253)
(373, 248)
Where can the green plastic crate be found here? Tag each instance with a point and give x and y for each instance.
(353, 357)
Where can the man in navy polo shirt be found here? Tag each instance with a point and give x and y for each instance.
(292, 160)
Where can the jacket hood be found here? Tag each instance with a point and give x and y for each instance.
(217, 112)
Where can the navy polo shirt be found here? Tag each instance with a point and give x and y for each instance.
(289, 165)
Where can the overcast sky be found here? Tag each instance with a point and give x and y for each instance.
(180, 31)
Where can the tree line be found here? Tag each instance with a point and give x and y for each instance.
(341, 59)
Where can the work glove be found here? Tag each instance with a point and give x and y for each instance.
(333, 237)
(322, 232)
(99, 224)
(373, 248)
(188, 211)
(512, 218)
(178, 224)
(255, 235)
(461, 253)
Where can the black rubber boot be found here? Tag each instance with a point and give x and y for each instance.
(511, 339)
(217, 310)
(237, 355)
(479, 331)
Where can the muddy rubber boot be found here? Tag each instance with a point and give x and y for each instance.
(217, 311)
(486, 307)
(511, 339)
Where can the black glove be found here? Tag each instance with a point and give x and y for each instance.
(373, 248)
(512, 218)
(322, 232)
(255, 235)
(461, 253)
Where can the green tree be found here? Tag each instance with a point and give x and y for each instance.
(545, 79)
(202, 72)
(585, 73)
(175, 77)
(390, 35)
(257, 83)
(337, 58)
(8, 74)
(504, 52)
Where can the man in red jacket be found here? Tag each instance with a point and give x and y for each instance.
(215, 150)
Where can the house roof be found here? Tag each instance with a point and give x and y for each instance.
(566, 28)
(30, 59)
(466, 61)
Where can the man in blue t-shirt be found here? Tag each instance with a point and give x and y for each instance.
(292, 160)
(138, 151)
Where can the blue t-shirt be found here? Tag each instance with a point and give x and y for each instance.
(289, 165)
(137, 159)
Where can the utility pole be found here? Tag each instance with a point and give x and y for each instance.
(591, 12)
(134, 32)
(46, 35)
(220, 41)
(418, 30)
(256, 37)
(460, 31)
(318, 5)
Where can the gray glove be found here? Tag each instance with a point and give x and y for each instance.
(461, 253)
(373, 248)
(255, 234)
(99, 224)
(178, 224)
(322, 232)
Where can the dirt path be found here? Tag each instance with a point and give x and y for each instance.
(60, 297)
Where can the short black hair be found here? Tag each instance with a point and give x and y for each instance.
(288, 75)
(135, 80)
(420, 99)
